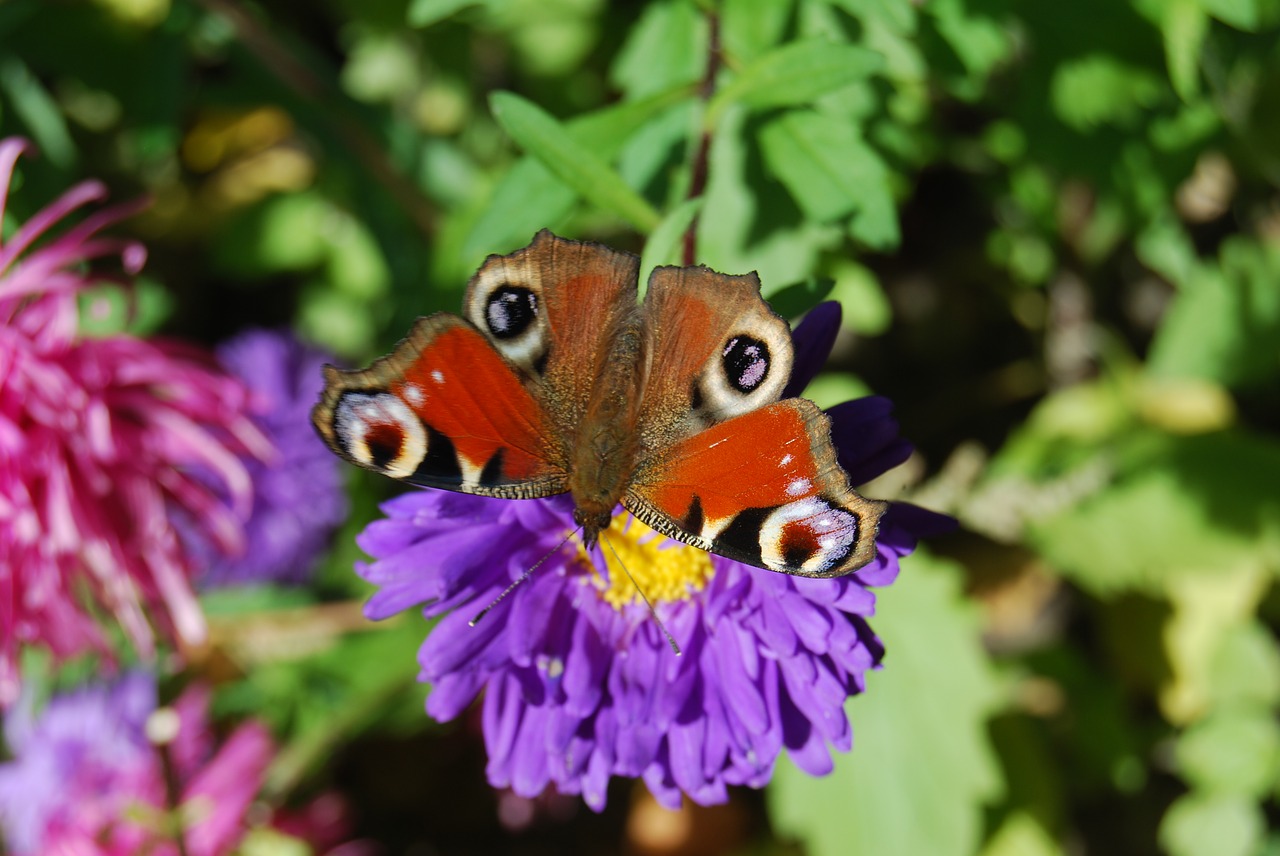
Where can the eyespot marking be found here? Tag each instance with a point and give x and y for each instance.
(746, 363)
(810, 534)
(379, 431)
(510, 310)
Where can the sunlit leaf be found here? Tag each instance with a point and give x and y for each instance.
(794, 74)
(920, 741)
(424, 13)
(665, 48)
(1191, 504)
(1021, 835)
(831, 172)
(1197, 824)
(1232, 751)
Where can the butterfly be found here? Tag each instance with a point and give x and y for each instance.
(555, 380)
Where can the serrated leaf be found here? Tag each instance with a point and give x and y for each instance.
(538, 133)
(796, 73)
(921, 766)
(663, 246)
(831, 172)
(1198, 824)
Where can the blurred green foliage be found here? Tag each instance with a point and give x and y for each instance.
(1055, 231)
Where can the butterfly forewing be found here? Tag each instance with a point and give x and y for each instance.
(762, 488)
(444, 410)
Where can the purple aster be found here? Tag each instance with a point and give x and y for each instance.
(298, 497)
(579, 683)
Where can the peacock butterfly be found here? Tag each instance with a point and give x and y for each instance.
(555, 380)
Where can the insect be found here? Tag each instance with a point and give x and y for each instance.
(556, 380)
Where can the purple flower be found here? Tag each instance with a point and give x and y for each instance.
(86, 780)
(100, 439)
(580, 684)
(298, 497)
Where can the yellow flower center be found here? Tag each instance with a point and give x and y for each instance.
(664, 570)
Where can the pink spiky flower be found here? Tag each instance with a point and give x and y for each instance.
(101, 439)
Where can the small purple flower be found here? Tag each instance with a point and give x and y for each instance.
(298, 497)
(580, 684)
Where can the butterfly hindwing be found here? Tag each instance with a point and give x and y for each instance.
(443, 410)
(762, 488)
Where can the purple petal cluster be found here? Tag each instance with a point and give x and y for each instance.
(100, 439)
(580, 685)
(298, 496)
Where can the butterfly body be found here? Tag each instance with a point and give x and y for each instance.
(556, 380)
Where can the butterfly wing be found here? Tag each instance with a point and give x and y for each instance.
(554, 309)
(488, 404)
(762, 488)
(444, 409)
(714, 348)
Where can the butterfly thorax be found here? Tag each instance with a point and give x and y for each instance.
(604, 455)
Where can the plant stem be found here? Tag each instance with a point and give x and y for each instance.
(698, 179)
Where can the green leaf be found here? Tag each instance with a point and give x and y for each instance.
(529, 196)
(667, 47)
(1102, 90)
(1234, 751)
(792, 301)
(663, 246)
(1225, 323)
(793, 74)
(921, 766)
(424, 13)
(1186, 505)
(979, 41)
(1245, 667)
(1021, 835)
(1198, 824)
(751, 27)
(866, 308)
(831, 172)
(33, 104)
(576, 165)
(1184, 26)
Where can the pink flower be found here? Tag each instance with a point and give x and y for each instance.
(86, 779)
(99, 440)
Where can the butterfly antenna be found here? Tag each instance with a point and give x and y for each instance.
(656, 620)
(518, 580)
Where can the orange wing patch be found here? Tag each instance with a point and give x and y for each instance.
(444, 410)
(762, 488)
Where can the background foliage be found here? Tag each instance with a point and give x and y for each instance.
(1055, 233)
